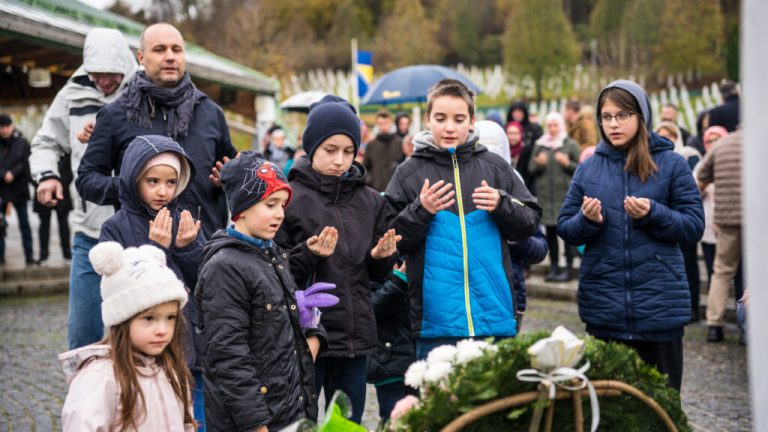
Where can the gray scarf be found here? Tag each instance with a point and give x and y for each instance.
(140, 97)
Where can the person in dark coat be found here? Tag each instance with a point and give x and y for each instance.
(156, 171)
(14, 179)
(161, 100)
(631, 204)
(395, 351)
(330, 191)
(518, 111)
(383, 153)
(727, 114)
(460, 278)
(524, 253)
(258, 369)
(62, 209)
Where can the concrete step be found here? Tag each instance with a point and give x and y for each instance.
(34, 280)
(33, 288)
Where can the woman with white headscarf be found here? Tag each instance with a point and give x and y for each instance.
(552, 164)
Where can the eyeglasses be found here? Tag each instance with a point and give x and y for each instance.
(621, 117)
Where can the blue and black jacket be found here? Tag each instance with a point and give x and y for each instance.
(459, 269)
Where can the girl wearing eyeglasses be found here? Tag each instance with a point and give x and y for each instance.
(631, 204)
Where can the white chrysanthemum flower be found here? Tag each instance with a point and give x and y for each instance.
(438, 372)
(414, 376)
(442, 354)
(468, 350)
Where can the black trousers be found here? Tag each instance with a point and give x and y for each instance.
(554, 248)
(44, 231)
(691, 259)
(667, 357)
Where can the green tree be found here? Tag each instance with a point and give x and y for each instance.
(605, 26)
(691, 37)
(407, 37)
(641, 32)
(538, 40)
(352, 20)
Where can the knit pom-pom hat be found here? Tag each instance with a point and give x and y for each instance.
(133, 280)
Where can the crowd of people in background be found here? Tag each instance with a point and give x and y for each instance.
(331, 262)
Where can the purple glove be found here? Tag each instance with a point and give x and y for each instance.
(310, 300)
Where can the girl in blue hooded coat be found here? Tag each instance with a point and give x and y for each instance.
(154, 172)
(632, 204)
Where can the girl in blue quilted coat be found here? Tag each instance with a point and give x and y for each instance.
(632, 204)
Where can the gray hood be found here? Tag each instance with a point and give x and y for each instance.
(638, 93)
(106, 51)
(424, 140)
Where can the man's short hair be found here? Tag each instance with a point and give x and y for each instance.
(728, 88)
(671, 105)
(573, 105)
(451, 87)
(5, 119)
(383, 113)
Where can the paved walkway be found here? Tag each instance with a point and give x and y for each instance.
(32, 388)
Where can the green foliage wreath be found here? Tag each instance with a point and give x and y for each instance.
(493, 376)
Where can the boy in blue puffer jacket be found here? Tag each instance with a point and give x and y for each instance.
(458, 205)
(154, 172)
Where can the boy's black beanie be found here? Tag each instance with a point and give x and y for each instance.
(330, 116)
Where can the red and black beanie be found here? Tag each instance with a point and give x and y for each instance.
(249, 179)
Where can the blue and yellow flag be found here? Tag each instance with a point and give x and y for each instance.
(364, 70)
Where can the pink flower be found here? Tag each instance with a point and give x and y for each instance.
(403, 406)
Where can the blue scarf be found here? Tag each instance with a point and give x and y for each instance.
(259, 243)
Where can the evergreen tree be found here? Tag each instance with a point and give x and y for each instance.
(538, 40)
(605, 26)
(691, 37)
(407, 37)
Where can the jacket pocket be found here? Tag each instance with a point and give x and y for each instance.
(669, 267)
(275, 392)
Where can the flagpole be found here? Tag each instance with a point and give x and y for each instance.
(355, 87)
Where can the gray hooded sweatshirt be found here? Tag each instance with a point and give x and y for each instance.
(104, 51)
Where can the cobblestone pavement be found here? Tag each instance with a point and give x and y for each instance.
(32, 387)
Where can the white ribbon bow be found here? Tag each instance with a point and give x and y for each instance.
(558, 378)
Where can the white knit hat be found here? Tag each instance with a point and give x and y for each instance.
(133, 280)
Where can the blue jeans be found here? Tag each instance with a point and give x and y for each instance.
(346, 374)
(26, 232)
(198, 406)
(84, 324)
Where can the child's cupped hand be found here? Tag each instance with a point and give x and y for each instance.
(324, 244)
(188, 229)
(386, 246)
(160, 228)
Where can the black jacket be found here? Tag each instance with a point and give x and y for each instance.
(381, 158)
(14, 157)
(531, 133)
(395, 351)
(360, 215)
(206, 143)
(258, 369)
